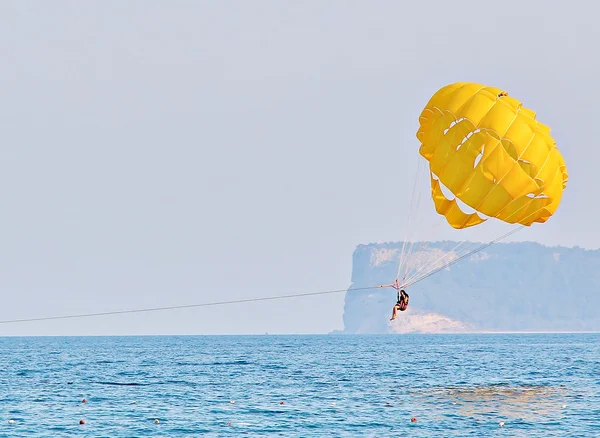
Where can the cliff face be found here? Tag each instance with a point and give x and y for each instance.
(505, 287)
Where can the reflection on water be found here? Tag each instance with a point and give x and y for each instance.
(525, 402)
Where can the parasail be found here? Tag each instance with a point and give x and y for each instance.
(492, 154)
(486, 157)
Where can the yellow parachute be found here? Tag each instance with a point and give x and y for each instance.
(492, 154)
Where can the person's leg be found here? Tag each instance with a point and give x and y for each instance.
(394, 313)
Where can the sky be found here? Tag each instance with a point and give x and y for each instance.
(162, 153)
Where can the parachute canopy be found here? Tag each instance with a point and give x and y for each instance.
(492, 154)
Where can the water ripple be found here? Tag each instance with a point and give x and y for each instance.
(297, 386)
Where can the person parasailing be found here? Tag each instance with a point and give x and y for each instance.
(402, 299)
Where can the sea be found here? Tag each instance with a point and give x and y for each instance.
(411, 385)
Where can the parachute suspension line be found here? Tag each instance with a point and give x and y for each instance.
(435, 262)
(410, 213)
(461, 254)
(442, 262)
(453, 250)
(422, 247)
(405, 261)
(470, 253)
(415, 278)
(403, 254)
(405, 265)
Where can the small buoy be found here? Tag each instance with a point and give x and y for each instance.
(232, 402)
(11, 421)
(229, 423)
(332, 403)
(564, 406)
(281, 403)
(81, 421)
(501, 424)
(413, 420)
(156, 420)
(387, 403)
(84, 401)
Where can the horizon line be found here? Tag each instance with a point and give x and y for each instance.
(516, 332)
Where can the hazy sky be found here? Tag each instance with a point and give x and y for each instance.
(176, 152)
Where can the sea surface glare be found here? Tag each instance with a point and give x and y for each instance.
(539, 385)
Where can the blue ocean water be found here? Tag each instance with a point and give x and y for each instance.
(539, 385)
